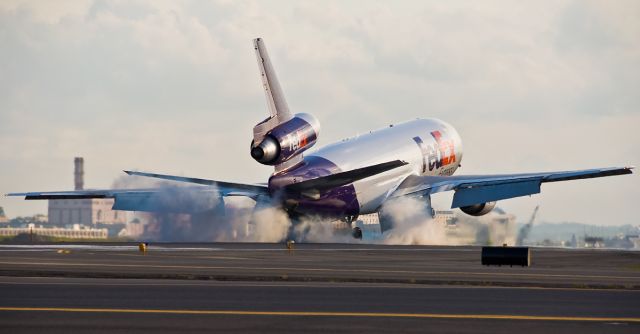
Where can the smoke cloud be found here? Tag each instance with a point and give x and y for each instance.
(184, 213)
(197, 214)
(413, 225)
(526, 229)
(269, 225)
(495, 228)
(321, 230)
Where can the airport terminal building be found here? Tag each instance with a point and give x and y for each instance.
(88, 211)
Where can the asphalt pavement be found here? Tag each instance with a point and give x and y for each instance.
(567, 268)
(315, 288)
(105, 305)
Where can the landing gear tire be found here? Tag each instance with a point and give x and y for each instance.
(357, 233)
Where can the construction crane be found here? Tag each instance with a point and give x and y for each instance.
(524, 230)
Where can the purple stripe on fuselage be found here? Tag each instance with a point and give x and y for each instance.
(337, 202)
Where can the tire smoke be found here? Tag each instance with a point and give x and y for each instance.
(413, 225)
(182, 213)
(185, 213)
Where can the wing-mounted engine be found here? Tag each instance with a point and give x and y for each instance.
(287, 140)
(478, 209)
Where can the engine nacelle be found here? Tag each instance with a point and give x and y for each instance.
(287, 140)
(478, 209)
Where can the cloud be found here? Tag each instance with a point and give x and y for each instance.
(45, 12)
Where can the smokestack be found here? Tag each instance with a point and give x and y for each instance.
(78, 173)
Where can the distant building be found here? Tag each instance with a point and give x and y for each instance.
(496, 228)
(89, 211)
(446, 218)
(574, 241)
(499, 216)
(3, 217)
(369, 219)
(369, 225)
(593, 242)
(77, 232)
(39, 218)
(132, 229)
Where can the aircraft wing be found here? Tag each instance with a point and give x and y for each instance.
(477, 189)
(342, 178)
(224, 187)
(162, 199)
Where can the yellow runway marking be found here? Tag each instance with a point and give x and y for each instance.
(324, 314)
(142, 264)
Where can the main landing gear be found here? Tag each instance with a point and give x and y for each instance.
(356, 231)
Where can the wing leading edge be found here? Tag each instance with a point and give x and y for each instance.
(477, 189)
(225, 187)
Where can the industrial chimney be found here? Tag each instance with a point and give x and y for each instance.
(78, 173)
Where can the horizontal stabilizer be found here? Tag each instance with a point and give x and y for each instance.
(342, 178)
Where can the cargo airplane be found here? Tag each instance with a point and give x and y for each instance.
(344, 179)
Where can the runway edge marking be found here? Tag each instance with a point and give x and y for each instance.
(324, 314)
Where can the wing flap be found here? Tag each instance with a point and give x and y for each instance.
(170, 199)
(466, 196)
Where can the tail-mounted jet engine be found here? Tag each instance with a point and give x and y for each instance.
(478, 209)
(287, 140)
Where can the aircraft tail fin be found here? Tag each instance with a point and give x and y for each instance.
(279, 112)
(273, 91)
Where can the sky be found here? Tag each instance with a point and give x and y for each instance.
(173, 87)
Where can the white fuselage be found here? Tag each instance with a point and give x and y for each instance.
(429, 146)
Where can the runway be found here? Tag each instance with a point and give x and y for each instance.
(564, 268)
(257, 288)
(104, 305)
